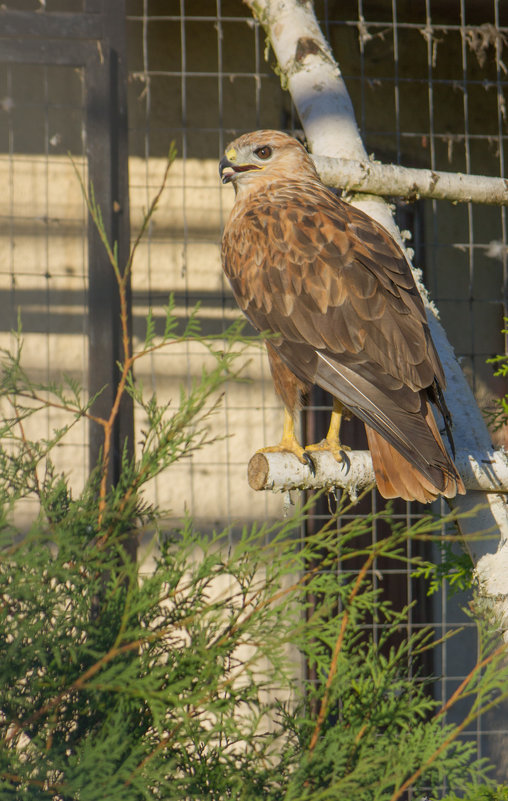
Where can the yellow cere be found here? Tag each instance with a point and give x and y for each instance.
(231, 153)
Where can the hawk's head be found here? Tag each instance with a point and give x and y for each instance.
(265, 156)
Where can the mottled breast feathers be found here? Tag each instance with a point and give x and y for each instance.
(338, 294)
(312, 270)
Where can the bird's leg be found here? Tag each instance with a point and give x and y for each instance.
(332, 442)
(289, 443)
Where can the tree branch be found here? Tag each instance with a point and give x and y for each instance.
(318, 91)
(337, 649)
(280, 472)
(391, 180)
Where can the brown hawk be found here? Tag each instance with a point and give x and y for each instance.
(338, 295)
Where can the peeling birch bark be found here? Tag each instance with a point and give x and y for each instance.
(280, 472)
(391, 180)
(323, 104)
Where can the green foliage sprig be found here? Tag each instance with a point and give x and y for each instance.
(498, 417)
(455, 569)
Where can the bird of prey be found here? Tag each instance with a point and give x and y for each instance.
(337, 294)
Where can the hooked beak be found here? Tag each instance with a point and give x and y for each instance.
(228, 170)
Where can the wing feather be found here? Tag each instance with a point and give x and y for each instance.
(338, 275)
(339, 292)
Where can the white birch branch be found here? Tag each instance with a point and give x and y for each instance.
(280, 472)
(323, 104)
(390, 180)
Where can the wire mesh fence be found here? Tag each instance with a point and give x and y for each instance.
(428, 83)
(43, 259)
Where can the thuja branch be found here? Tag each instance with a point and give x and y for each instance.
(122, 276)
(27, 444)
(48, 403)
(475, 712)
(152, 207)
(78, 684)
(337, 649)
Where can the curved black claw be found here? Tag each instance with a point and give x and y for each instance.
(346, 460)
(309, 462)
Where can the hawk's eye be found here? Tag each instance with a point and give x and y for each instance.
(263, 152)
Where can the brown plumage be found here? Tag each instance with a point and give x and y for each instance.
(338, 292)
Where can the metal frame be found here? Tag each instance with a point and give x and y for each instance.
(94, 41)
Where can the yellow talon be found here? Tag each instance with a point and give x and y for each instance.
(288, 443)
(331, 442)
